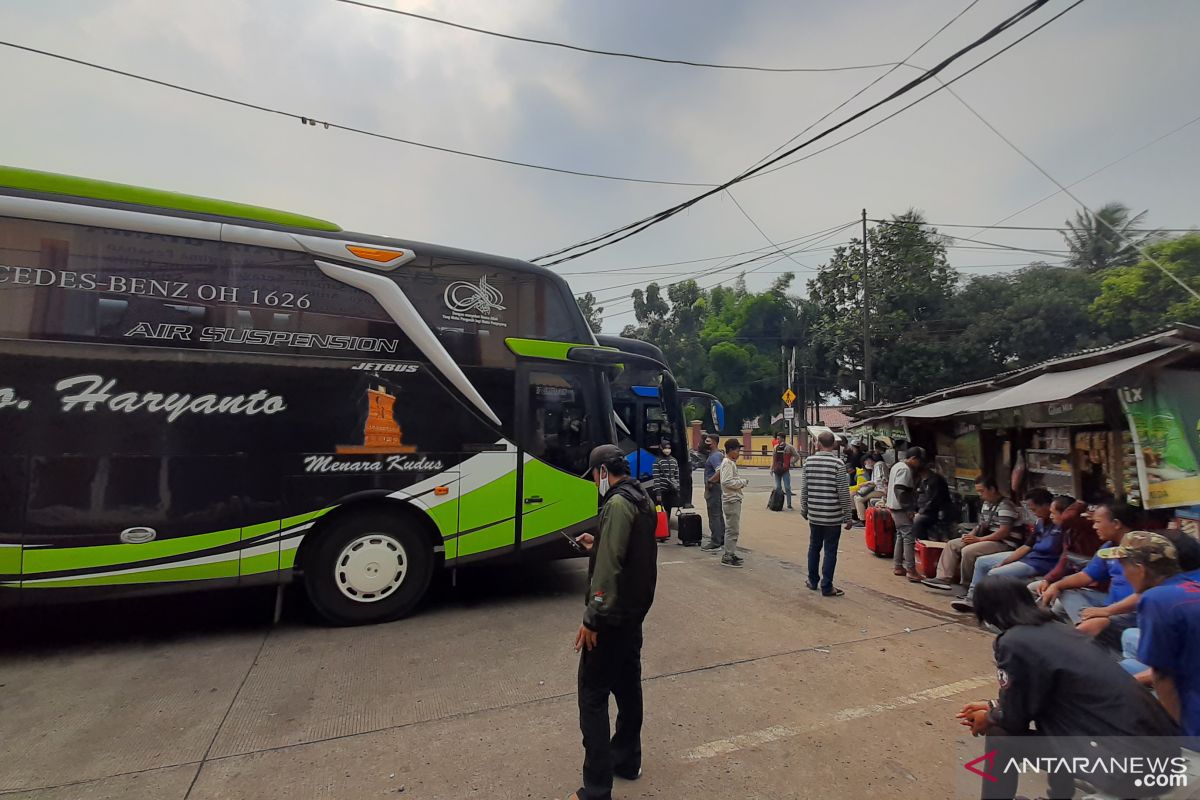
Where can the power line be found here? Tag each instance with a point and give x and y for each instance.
(774, 259)
(1135, 245)
(758, 228)
(308, 120)
(816, 237)
(611, 53)
(980, 228)
(624, 232)
(899, 111)
(700, 260)
(879, 78)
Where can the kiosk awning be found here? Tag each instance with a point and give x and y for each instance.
(1051, 386)
(948, 407)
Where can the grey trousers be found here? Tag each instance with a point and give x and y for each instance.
(716, 517)
(906, 540)
(733, 524)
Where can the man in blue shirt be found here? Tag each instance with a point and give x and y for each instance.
(712, 497)
(1169, 619)
(1037, 556)
(1079, 596)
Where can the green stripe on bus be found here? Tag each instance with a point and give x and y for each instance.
(264, 562)
(195, 572)
(10, 559)
(502, 534)
(53, 183)
(542, 348)
(52, 559)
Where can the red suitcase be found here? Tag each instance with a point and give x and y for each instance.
(662, 530)
(881, 532)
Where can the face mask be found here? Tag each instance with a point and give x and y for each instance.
(604, 487)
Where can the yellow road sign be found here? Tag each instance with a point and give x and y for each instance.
(789, 397)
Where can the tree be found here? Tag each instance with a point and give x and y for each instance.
(1140, 298)
(911, 286)
(1109, 238)
(727, 340)
(591, 312)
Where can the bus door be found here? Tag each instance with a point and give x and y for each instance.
(560, 422)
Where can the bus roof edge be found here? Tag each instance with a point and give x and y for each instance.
(69, 185)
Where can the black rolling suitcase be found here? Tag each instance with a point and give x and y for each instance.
(690, 530)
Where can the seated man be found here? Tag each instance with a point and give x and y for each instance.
(933, 498)
(998, 531)
(873, 489)
(1037, 556)
(1080, 597)
(1169, 614)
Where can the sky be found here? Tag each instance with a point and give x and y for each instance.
(1104, 80)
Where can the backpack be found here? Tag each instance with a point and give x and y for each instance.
(781, 461)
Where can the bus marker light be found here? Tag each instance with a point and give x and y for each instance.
(441, 491)
(376, 254)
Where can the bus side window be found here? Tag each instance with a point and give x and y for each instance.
(562, 426)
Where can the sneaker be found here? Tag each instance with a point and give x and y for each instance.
(898, 571)
(711, 548)
(731, 561)
(914, 576)
(938, 583)
(963, 605)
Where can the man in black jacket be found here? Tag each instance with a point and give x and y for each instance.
(622, 574)
(933, 497)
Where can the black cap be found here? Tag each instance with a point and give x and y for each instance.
(603, 456)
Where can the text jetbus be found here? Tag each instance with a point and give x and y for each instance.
(197, 394)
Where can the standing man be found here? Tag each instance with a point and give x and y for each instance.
(666, 479)
(825, 503)
(902, 502)
(782, 461)
(732, 486)
(622, 573)
(1169, 617)
(712, 498)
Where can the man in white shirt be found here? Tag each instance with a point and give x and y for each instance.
(902, 502)
(732, 486)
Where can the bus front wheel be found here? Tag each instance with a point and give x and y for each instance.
(368, 567)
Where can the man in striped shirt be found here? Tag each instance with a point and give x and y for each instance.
(825, 503)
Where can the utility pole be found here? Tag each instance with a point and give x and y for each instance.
(791, 382)
(866, 318)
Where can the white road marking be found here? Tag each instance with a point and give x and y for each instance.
(668, 563)
(777, 732)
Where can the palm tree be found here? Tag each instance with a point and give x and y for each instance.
(1108, 238)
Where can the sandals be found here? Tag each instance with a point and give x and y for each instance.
(834, 592)
(812, 587)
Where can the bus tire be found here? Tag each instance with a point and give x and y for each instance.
(368, 567)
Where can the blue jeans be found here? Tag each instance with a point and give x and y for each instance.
(990, 565)
(1072, 602)
(783, 483)
(823, 537)
(1130, 638)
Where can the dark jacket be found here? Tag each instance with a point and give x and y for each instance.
(1059, 678)
(933, 495)
(1079, 538)
(623, 564)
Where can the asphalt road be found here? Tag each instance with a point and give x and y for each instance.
(755, 688)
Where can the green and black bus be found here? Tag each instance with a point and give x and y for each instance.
(200, 394)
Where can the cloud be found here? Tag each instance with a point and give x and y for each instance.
(1091, 87)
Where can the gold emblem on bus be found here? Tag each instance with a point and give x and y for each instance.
(381, 432)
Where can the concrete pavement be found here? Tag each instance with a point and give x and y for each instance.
(755, 688)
